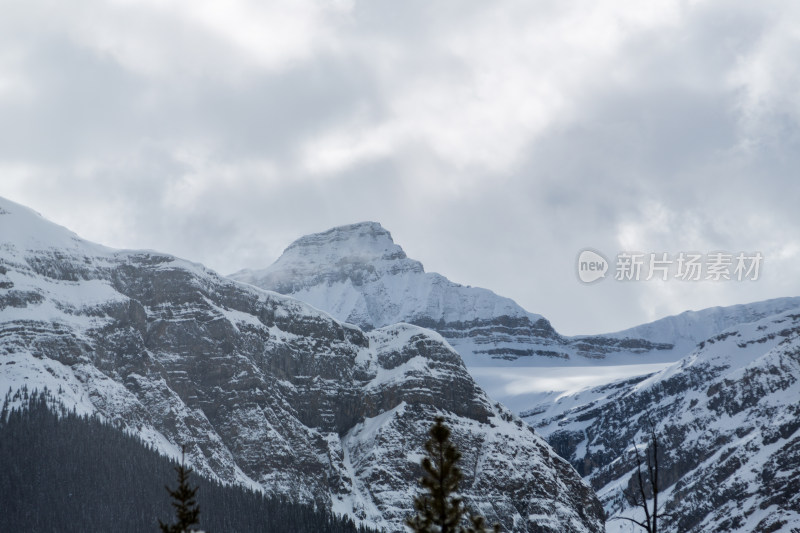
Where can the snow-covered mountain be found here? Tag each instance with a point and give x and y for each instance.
(727, 417)
(265, 390)
(359, 275)
(362, 276)
(689, 328)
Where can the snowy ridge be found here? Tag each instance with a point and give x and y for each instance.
(728, 415)
(23, 229)
(264, 390)
(689, 328)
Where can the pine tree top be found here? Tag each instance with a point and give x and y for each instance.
(440, 509)
(186, 509)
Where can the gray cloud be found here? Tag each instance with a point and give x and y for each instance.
(493, 140)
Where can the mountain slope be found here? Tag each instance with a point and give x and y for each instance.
(727, 415)
(264, 390)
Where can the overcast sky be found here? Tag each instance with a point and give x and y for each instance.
(495, 140)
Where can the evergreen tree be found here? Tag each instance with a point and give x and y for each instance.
(440, 509)
(186, 508)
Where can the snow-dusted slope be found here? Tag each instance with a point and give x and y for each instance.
(263, 389)
(728, 417)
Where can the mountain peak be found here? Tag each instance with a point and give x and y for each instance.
(359, 275)
(366, 241)
(359, 252)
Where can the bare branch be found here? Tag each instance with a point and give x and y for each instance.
(629, 519)
(641, 488)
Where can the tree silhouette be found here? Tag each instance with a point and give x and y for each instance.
(638, 494)
(186, 508)
(439, 509)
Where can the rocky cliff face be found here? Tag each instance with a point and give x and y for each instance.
(359, 275)
(727, 417)
(262, 389)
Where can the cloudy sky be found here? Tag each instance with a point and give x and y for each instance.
(495, 140)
